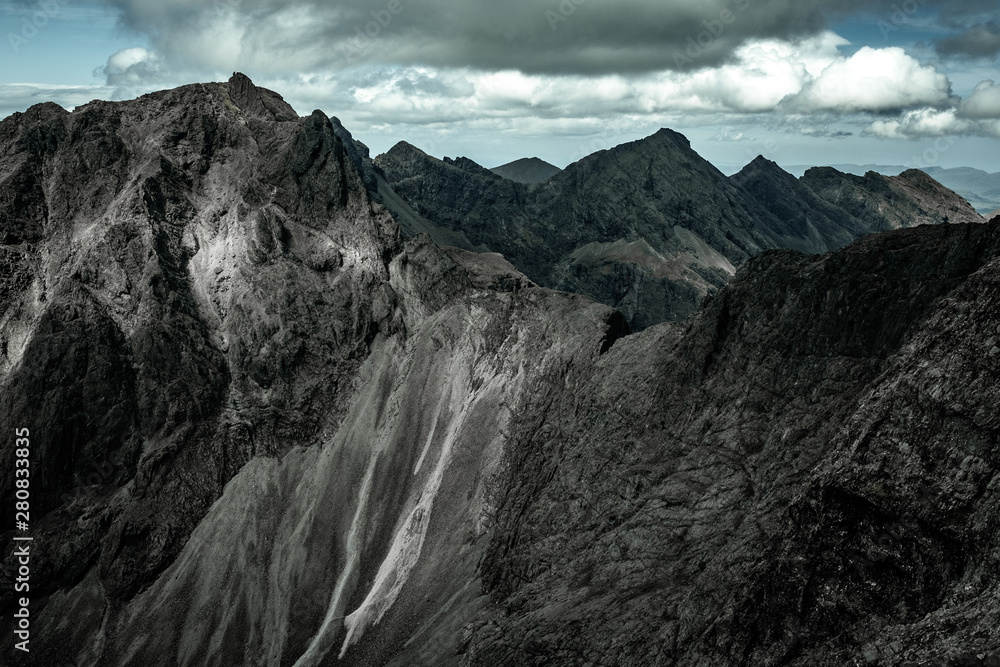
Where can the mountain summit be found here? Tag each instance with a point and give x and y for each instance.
(527, 170)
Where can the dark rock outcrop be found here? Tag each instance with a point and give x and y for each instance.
(804, 475)
(258, 102)
(808, 223)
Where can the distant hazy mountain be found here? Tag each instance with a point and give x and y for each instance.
(527, 170)
(799, 170)
(978, 187)
(891, 202)
(981, 188)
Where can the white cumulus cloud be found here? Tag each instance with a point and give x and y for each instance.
(875, 80)
(132, 70)
(984, 103)
(930, 123)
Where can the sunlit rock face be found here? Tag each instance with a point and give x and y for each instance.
(268, 430)
(258, 415)
(193, 285)
(371, 537)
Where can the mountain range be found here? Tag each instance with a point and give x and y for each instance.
(650, 227)
(290, 404)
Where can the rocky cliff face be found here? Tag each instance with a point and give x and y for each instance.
(194, 283)
(650, 227)
(267, 431)
(219, 343)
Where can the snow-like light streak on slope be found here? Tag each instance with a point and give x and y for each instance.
(405, 550)
(327, 632)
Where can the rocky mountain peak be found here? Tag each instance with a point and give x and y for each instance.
(674, 136)
(917, 176)
(405, 153)
(665, 149)
(650, 222)
(527, 170)
(405, 148)
(258, 102)
(469, 165)
(43, 109)
(761, 167)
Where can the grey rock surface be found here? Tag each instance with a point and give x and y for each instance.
(890, 202)
(192, 284)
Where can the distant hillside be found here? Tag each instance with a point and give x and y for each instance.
(890, 202)
(980, 188)
(648, 227)
(527, 170)
(799, 170)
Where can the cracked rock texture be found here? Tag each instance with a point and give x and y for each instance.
(266, 430)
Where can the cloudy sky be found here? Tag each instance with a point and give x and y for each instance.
(902, 82)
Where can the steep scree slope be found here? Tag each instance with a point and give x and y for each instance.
(260, 424)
